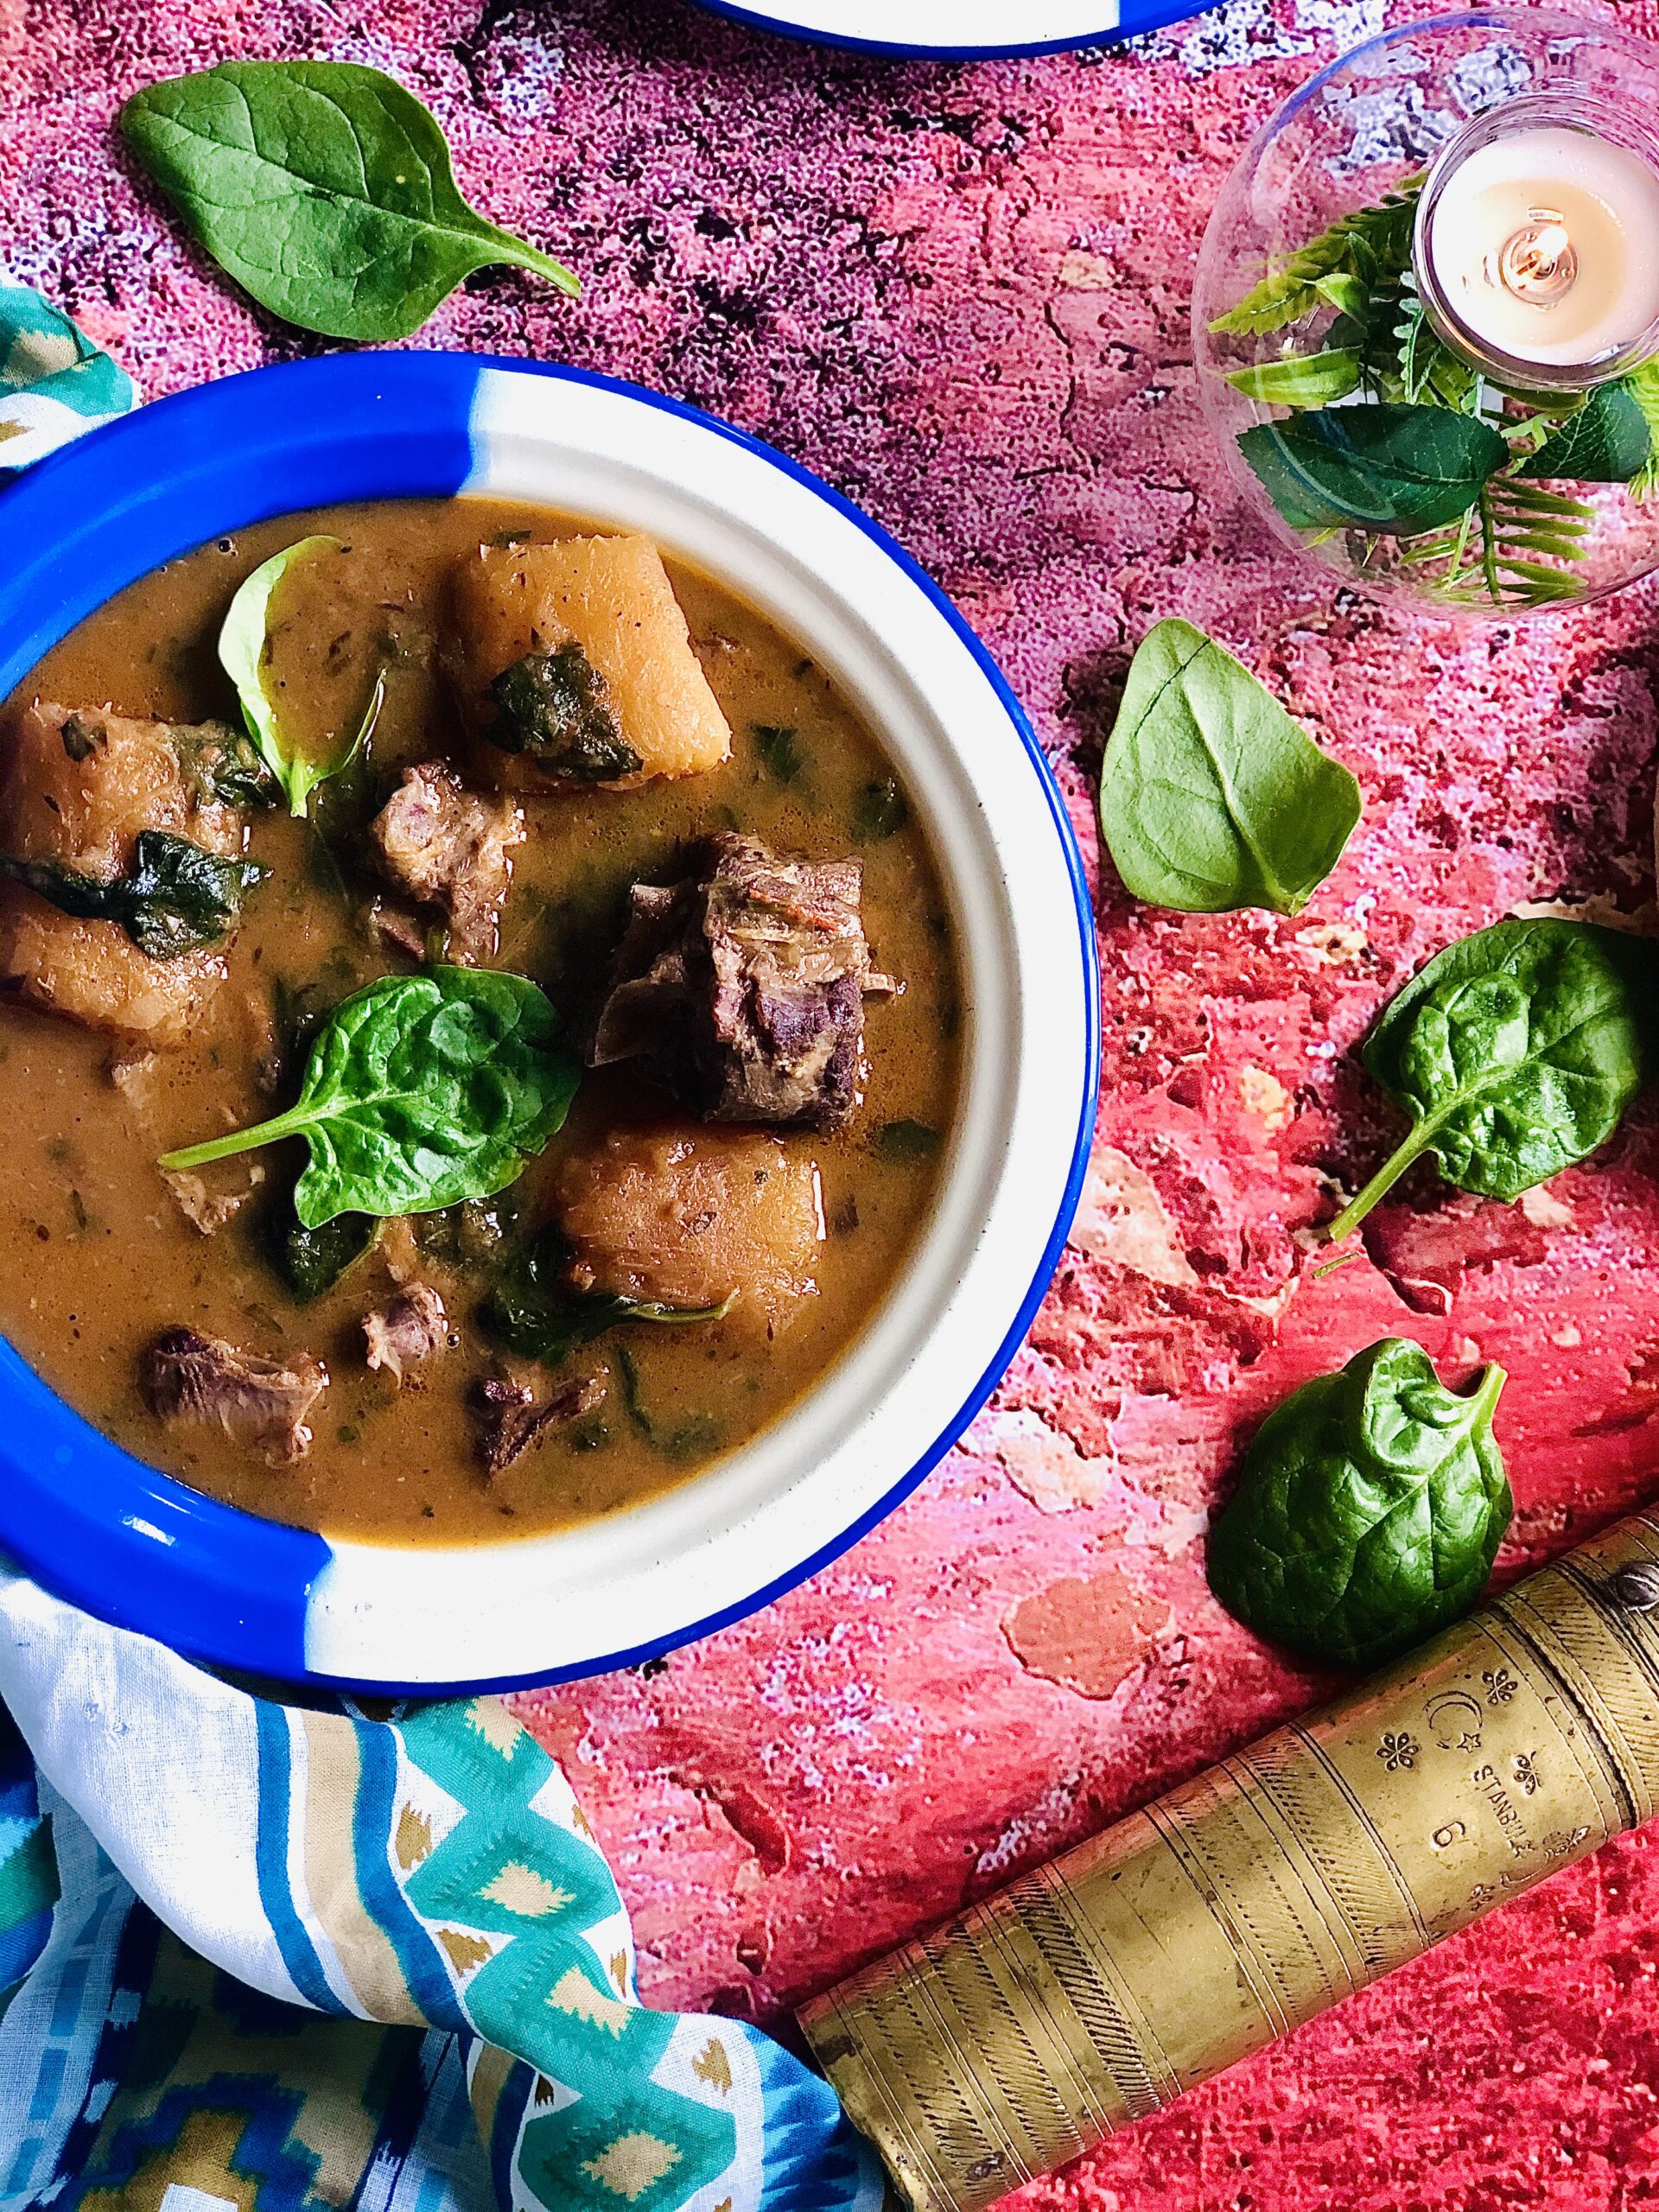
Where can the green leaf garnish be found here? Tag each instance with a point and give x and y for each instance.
(324, 189)
(1371, 1508)
(174, 899)
(243, 645)
(1211, 797)
(535, 1312)
(1392, 469)
(1515, 1053)
(421, 1091)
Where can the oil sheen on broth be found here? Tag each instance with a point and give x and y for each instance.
(801, 1220)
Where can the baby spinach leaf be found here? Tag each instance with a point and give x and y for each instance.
(422, 1091)
(533, 1310)
(244, 647)
(779, 750)
(324, 189)
(1605, 441)
(1372, 1506)
(905, 1141)
(1301, 379)
(1210, 796)
(1393, 469)
(224, 764)
(1515, 1053)
(555, 707)
(174, 899)
(314, 1260)
(880, 811)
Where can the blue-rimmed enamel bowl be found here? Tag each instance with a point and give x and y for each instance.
(140, 1549)
(956, 30)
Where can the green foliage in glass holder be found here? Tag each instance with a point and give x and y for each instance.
(1474, 522)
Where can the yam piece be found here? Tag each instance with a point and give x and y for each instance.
(692, 1217)
(611, 599)
(78, 784)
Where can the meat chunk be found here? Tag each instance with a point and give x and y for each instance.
(407, 1329)
(694, 1217)
(574, 663)
(79, 783)
(208, 1209)
(446, 847)
(511, 1419)
(186, 1377)
(741, 990)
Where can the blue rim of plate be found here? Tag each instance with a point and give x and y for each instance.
(1157, 16)
(90, 1521)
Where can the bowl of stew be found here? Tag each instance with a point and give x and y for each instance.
(531, 1137)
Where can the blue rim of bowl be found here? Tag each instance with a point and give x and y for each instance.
(243, 1582)
(1156, 16)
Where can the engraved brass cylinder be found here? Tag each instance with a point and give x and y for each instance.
(1100, 1987)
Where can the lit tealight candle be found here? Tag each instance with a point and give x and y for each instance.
(1542, 246)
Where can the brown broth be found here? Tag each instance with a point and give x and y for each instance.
(100, 1257)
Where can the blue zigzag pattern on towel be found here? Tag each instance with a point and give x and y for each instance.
(505, 1871)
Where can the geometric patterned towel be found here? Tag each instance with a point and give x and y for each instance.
(194, 1878)
(54, 382)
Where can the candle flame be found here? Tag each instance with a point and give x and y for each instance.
(1537, 263)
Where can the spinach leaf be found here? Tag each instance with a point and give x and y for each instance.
(692, 1436)
(1393, 469)
(1605, 441)
(175, 899)
(314, 1260)
(1372, 1506)
(882, 810)
(224, 764)
(1210, 796)
(324, 189)
(1515, 1053)
(1301, 379)
(422, 1091)
(555, 707)
(534, 1310)
(244, 646)
(905, 1141)
(779, 750)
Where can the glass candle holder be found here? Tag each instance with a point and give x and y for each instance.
(1427, 313)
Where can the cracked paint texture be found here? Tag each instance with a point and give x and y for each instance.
(962, 294)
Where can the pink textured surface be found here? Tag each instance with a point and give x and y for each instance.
(963, 295)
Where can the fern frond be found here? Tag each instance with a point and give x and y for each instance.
(1430, 373)
(1365, 248)
(1514, 548)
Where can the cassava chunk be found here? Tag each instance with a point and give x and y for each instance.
(574, 663)
(446, 847)
(186, 1377)
(79, 783)
(692, 1217)
(741, 990)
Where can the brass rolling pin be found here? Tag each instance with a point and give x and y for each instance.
(1091, 1993)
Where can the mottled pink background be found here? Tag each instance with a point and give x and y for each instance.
(962, 294)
